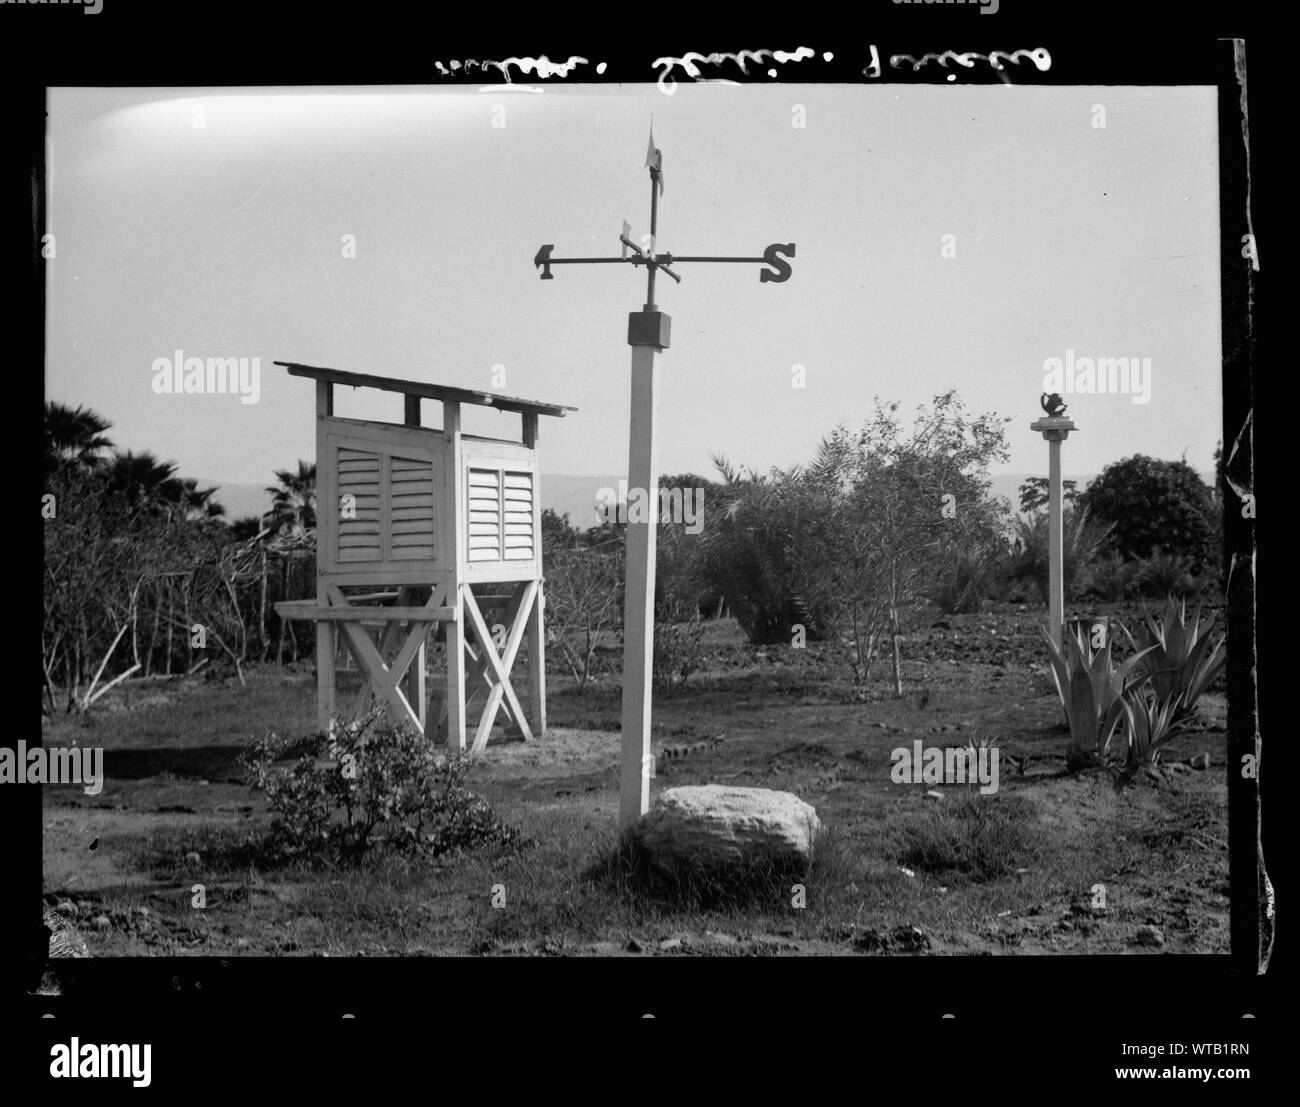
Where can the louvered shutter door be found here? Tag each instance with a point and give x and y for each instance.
(517, 501)
(358, 531)
(411, 508)
(484, 514)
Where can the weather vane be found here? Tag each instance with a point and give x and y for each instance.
(774, 256)
(648, 333)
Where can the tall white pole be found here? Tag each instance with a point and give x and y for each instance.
(1055, 542)
(648, 333)
(1055, 429)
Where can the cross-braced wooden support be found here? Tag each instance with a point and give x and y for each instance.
(383, 671)
(383, 679)
(393, 668)
(491, 661)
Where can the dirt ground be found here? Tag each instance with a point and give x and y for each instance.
(1097, 871)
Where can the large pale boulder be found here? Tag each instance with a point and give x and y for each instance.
(714, 825)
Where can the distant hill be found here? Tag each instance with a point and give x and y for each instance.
(576, 496)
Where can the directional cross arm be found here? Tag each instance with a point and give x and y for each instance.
(774, 256)
(659, 261)
(545, 261)
(758, 261)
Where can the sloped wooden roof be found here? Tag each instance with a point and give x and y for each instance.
(426, 391)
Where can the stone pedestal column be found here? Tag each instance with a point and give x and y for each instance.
(1055, 429)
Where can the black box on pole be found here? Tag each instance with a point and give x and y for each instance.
(649, 328)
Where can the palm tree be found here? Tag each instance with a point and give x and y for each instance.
(293, 503)
(74, 437)
(743, 552)
(246, 527)
(196, 503)
(1081, 541)
(143, 480)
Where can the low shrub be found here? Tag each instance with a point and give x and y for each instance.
(370, 786)
(1113, 578)
(1161, 574)
(965, 580)
(678, 652)
(978, 837)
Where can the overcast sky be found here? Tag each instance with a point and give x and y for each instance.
(226, 240)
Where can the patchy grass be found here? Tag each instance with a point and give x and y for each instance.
(978, 837)
(1010, 872)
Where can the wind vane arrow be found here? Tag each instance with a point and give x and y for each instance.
(654, 161)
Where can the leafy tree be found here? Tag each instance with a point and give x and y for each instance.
(1034, 493)
(900, 498)
(1152, 504)
(607, 535)
(584, 588)
(557, 532)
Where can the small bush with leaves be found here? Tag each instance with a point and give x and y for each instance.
(964, 579)
(1113, 578)
(678, 651)
(369, 785)
(1162, 574)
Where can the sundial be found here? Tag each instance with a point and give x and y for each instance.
(648, 334)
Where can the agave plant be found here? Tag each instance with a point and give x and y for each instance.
(1150, 726)
(1179, 659)
(1092, 692)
